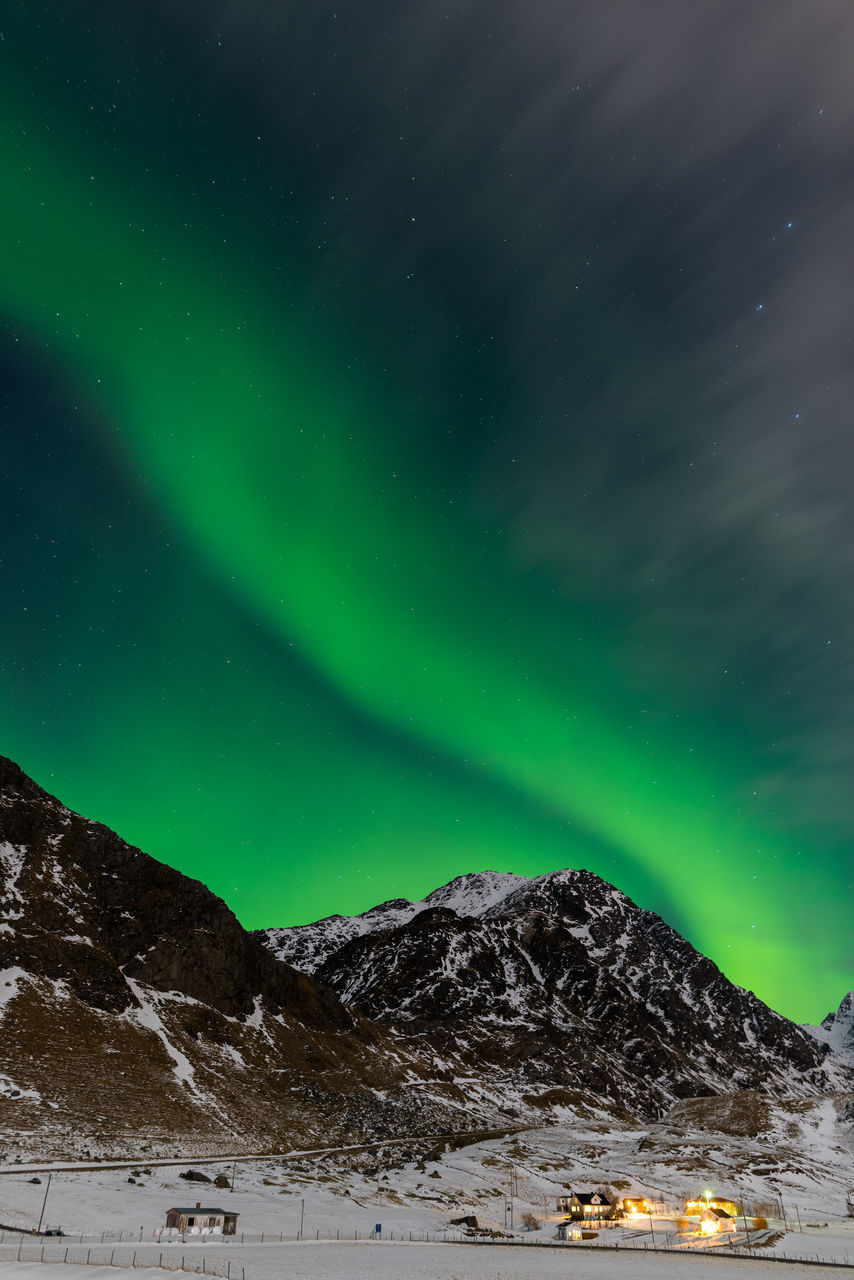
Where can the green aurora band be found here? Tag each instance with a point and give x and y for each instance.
(434, 711)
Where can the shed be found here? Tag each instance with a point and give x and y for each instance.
(202, 1218)
(714, 1220)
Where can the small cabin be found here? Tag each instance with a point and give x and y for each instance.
(633, 1206)
(201, 1219)
(714, 1220)
(587, 1207)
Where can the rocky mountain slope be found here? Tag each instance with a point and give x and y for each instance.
(136, 1013)
(558, 989)
(132, 1001)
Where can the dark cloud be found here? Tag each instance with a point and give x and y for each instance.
(685, 375)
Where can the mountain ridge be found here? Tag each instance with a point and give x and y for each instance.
(563, 975)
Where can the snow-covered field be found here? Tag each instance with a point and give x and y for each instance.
(388, 1261)
(796, 1173)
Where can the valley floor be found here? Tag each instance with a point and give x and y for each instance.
(798, 1165)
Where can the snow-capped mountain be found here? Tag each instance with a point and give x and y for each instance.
(307, 946)
(561, 988)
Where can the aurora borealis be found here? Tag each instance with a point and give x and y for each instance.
(427, 447)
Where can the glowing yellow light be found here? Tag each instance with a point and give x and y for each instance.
(709, 1228)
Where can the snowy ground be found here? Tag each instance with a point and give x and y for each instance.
(334, 1204)
(452, 1262)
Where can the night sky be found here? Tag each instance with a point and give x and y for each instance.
(426, 447)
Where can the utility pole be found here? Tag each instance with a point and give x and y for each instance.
(44, 1202)
(233, 1174)
(301, 1216)
(744, 1218)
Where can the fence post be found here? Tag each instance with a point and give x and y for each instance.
(133, 1259)
(112, 1252)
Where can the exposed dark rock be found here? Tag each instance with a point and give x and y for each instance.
(562, 985)
(97, 908)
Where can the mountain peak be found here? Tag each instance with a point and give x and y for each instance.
(475, 892)
(837, 1030)
(557, 981)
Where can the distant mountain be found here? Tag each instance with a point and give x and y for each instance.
(134, 1005)
(837, 1031)
(557, 989)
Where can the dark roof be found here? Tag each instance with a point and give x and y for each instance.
(717, 1213)
(592, 1197)
(204, 1209)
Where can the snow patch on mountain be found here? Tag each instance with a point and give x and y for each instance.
(14, 1092)
(12, 860)
(475, 894)
(10, 980)
(147, 1015)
